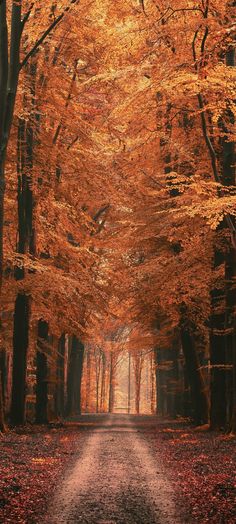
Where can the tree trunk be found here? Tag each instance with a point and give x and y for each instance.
(103, 384)
(197, 385)
(138, 365)
(3, 371)
(75, 369)
(161, 383)
(88, 380)
(111, 385)
(157, 379)
(97, 355)
(129, 383)
(2, 414)
(79, 375)
(41, 375)
(172, 374)
(153, 383)
(233, 419)
(187, 404)
(19, 368)
(228, 179)
(9, 75)
(26, 244)
(60, 374)
(230, 322)
(218, 361)
(222, 340)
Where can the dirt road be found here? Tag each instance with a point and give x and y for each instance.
(114, 479)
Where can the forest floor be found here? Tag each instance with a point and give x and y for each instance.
(117, 469)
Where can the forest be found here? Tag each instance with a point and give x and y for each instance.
(117, 226)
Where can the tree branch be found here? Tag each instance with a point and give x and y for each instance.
(73, 142)
(46, 33)
(206, 136)
(13, 74)
(26, 17)
(3, 63)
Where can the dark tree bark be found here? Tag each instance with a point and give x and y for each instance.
(41, 414)
(187, 404)
(218, 401)
(138, 366)
(60, 375)
(228, 178)
(103, 383)
(20, 348)
(129, 383)
(98, 363)
(230, 351)
(153, 384)
(25, 244)
(173, 381)
(75, 369)
(111, 384)
(3, 371)
(2, 412)
(88, 379)
(222, 341)
(161, 383)
(197, 386)
(9, 74)
(79, 376)
(167, 381)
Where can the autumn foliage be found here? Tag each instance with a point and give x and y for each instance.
(119, 208)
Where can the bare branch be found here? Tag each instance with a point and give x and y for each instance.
(3, 63)
(153, 180)
(46, 33)
(26, 17)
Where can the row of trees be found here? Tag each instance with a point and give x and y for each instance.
(178, 134)
(50, 271)
(118, 152)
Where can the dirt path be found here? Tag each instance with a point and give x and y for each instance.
(114, 480)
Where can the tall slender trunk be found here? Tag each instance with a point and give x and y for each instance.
(129, 383)
(26, 243)
(230, 351)
(218, 405)
(2, 413)
(98, 373)
(9, 74)
(161, 384)
(60, 374)
(79, 375)
(75, 369)
(138, 365)
(103, 383)
(88, 380)
(41, 415)
(186, 396)
(228, 178)
(3, 371)
(111, 384)
(222, 341)
(20, 348)
(172, 378)
(196, 381)
(153, 383)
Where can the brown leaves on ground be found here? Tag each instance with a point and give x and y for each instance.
(32, 461)
(200, 465)
(202, 470)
